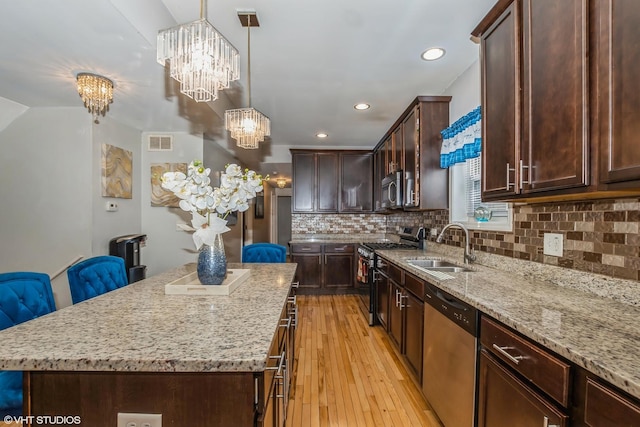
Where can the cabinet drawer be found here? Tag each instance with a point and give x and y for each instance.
(414, 285)
(605, 407)
(338, 248)
(395, 273)
(306, 248)
(540, 367)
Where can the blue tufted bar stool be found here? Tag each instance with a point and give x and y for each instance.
(96, 276)
(264, 252)
(23, 296)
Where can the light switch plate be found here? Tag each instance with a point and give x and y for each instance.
(553, 244)
(139, 420)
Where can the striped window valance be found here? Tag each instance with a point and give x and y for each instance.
(462, 140)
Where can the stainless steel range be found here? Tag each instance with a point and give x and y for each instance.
(410, 238)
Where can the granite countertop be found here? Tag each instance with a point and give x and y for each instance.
(553, 307)
(139, 328)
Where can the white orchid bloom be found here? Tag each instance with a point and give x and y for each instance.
(233, 170)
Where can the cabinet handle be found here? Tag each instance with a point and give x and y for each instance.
(503, 351)
(401, 298)
(509, 183)
(285, 323)
(545, 423)
(375, 276)
(391, 192)
(295, 285)
(305, 249)
(398, 294)
(522, 168)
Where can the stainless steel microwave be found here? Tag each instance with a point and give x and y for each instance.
(392, 190)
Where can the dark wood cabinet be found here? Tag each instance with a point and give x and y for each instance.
(505, 400)
(535, 99)
(396, 149)
(559, 117)
(339, 261)
(383, 293)
(616, 112)
(327, 182)
(315, 182)
(413, 332)
(500, 83)
(379, 172)
(356, 177)
(414, 144)
(332, 181)
(400, 310)
(304, 177)
(324, 268)
(395, 314)
(555, 134)
(309, 260)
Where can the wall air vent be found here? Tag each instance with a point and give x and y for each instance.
(160, 143)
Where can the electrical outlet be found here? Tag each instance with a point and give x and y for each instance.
(139, 420)
(552, 244)
(434, 232)
(111, 206)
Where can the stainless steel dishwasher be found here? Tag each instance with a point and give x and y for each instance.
(449, 359)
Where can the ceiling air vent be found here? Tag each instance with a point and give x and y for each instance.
(160, 143)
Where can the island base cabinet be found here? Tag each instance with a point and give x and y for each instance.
(505, 400)
(184, 399)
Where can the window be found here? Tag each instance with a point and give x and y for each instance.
(465, 196)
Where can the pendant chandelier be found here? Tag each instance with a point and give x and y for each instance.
(248, 126)
(96, 93)
(200, 58)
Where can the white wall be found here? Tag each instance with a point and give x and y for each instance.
(166, 247)
(46, 210)
(465, 92)
(128, 218)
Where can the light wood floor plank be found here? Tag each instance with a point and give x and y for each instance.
(348, 373)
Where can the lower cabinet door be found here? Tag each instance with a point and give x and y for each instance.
(413, 333)
(382, 299)
(505, 400)
(309, 272)
(395, 315)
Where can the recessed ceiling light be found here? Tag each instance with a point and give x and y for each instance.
(321, 135)
(433, 53)
(362, 106)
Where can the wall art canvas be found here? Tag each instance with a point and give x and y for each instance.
(117, 166)
(160, 196)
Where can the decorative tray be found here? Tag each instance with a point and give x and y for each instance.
(190, 285)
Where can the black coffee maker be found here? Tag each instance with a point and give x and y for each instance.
(128, 248)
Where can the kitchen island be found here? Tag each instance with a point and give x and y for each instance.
(198, 360)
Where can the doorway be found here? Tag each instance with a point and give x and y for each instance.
(282, 217)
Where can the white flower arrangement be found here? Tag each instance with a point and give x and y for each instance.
(197, 196)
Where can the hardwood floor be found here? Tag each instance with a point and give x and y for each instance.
(347, 372)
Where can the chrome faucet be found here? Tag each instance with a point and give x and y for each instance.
(469, 256)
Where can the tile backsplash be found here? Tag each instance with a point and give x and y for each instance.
(600, 236)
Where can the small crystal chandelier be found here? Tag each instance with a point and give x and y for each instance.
(248, 126)
(96, 93)
(200, 58)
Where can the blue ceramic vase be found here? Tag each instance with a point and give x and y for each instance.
(212, 263)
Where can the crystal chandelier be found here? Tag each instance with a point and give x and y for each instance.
(96, 93)
(200, 58)
(248, 126)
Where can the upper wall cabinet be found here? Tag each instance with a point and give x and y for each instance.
(414, 142)
(332, 181)
(549, 130)
(616, 96)
(534, 98)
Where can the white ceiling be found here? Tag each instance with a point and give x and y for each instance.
(311, 61)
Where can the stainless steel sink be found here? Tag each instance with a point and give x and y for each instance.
(437, 265)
